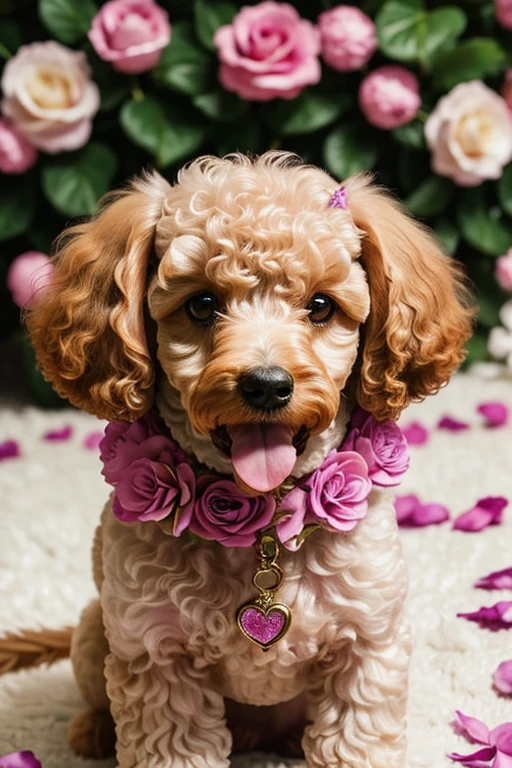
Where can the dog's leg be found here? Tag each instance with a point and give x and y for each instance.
(166, 715)
(358, 705)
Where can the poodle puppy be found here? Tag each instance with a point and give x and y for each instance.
(176, 296)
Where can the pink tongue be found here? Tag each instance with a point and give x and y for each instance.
(262, 455)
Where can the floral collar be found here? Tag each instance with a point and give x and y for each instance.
(154, 480)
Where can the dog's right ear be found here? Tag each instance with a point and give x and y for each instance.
(88, 329)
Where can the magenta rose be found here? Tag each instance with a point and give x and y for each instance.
(390, 97)
(17, 155)
(348, 38)
(49, 96)
(268, 52)
(381, 444)
(123, 443)
(151, 490)
(222, 512)
(335, 496)
(131, 34)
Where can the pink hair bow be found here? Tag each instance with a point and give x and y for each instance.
(338, 198)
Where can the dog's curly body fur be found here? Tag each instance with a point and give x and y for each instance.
(183, 685)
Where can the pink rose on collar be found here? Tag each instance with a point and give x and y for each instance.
(151, 490)
(123, 443)
(381, 444)
(224, 513)
(268, 52)
(335, 496)
(131, 34)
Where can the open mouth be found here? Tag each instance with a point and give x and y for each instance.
(263, 454)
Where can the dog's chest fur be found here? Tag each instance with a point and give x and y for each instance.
(159, 594)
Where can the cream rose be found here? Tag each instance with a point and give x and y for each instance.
(470, 134)
(49, 96)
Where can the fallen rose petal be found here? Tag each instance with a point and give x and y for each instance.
(25, 759)
(487, 511)
(59, 435)
(475, 759)
(9, 449)
(496, 580)
(415, 433)
(502, 678)
(411, 513)
(495, 414)
(92, 441)
(452, 425)
(471, 727)
(493, 617)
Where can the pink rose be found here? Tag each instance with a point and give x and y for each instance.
(268, 52)
(151, 490)
(131, 34)
(381, 444)
(470, 134)
(390, 97)
(49, 96)
(16, 154)
(28, 276)
(123, 443)
(503, 272)
(348, 38)
(503, 12)
(506, 88)
(334, 496)
(224, 513)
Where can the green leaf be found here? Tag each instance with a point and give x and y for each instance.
(167, 134)
(408, 32)
(488, 310)
(184, 66)
(74, 185)
(10, 37)
(470, 60)
(307, 113)
(68, 20)
(448, 233)
(476, 348)
(17, 206)
(411, 135)
(505, 190)
(209, 15)
(481, 227)
(349, 149)
(431, 197)
(220, 105)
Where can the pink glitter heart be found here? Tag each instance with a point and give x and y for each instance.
(264, 628)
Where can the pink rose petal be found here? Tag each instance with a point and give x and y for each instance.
(495, 414)
(493, 617)
(9, 449)
(502, 678)
(415, 433)
(452, 425)
(411, 513)
(472, 728)
(478, 759)
(487, 511)
(59, 435)
(496, 580)
(25, 759)
(92, 441)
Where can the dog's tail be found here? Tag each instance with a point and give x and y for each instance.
(31, 648)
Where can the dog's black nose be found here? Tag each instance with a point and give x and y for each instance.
(266, 388)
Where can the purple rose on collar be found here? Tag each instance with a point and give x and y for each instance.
(224, 513)
(151, 490)
(381, 444)
(124, 442)
(335, 495)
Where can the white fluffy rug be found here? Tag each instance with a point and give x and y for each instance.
(51, 498)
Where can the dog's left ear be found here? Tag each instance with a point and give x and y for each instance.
(420, 316)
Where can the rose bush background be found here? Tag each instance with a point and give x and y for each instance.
(170, 102)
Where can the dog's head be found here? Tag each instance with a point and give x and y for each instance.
(261, 304)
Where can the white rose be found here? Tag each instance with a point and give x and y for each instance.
(470, 134)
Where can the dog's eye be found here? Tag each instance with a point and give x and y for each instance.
(202, 307)
(321, 309)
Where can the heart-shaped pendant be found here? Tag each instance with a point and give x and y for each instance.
(264, 626)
